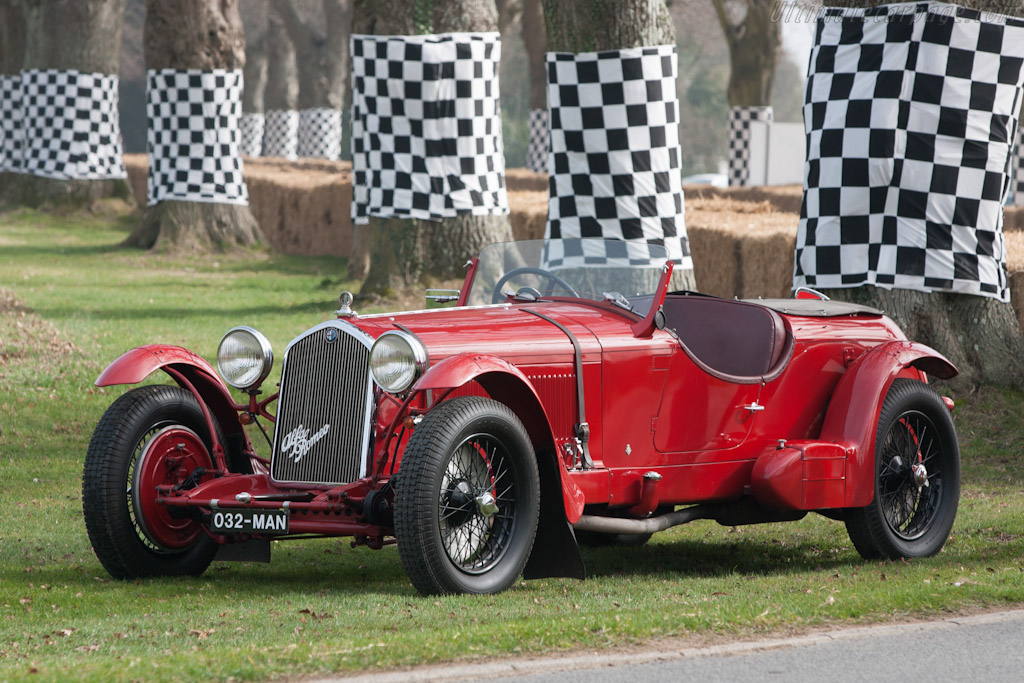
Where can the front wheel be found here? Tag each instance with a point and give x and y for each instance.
(917, 477)
(151, 436)
(467, 500)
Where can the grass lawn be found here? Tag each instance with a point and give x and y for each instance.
(71, 301)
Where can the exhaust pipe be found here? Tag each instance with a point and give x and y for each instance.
(622, 525)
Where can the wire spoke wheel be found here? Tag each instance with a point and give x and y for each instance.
(917, 477)
(475, 535)
(467, 499)
(910, 494)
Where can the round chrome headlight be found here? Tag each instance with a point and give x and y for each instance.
(397, 359)
(244, 358)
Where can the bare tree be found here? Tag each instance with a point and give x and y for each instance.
(404, 252)
(321, 49)
(79, 35)
(979, 334)
(12, 56)
(183, 35)
(281, 98)
(254, 21)
(754, 35)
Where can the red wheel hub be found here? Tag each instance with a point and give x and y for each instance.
(170, 456)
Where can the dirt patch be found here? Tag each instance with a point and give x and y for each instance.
(24, 335)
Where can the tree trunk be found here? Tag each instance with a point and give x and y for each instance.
(254, 12)
(12, 56)
(597, 25)
(323, 62)
(980, 335)
(754, 35)
(322, 56)
(405, 252)
(534, 40)
(282, 93)
(194, 34)
(80, 35)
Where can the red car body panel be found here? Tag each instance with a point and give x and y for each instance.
(648, 405)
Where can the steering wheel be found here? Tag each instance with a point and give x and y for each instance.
(497, 297)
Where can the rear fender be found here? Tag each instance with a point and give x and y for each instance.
(200, 379)
(555, 550)
(856, 404)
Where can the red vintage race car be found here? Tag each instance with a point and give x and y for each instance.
(568, 396)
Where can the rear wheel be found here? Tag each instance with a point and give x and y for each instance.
(917, 477)
(467, 500)
(150, 436)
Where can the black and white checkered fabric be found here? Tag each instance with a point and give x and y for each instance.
(1018, 169)
(739, 141)
(910, 111)
(194, 138)
(615, 156)
(281, 134)
(539, 146)
(252, 125)
(70, 125)
(11, 135)
(426, 126)
(320, 134)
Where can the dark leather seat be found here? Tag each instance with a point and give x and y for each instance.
(733, 339)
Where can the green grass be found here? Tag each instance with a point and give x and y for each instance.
(322, 606)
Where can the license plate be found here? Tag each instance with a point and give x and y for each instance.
(249, 522)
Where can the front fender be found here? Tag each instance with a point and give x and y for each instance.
(856, 404)
(136, 365)
(506, 383)
(209, 389)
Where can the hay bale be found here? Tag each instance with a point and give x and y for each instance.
(302, 211)
(746, 251)
(528, 213)
(525, 180)
(782, 198)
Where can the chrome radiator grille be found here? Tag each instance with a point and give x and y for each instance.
(324, 410)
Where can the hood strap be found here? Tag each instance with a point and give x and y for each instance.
(581, 429)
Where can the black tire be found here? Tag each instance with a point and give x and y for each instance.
(464, 449)
(127, 458)
(908, 518)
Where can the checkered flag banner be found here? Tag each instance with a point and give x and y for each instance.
(910, 112)
(320, 134)
(426, 126)
(252, 125)
(194, 138)
(739, 141)
(281, 136)
(69, 125)
(11, 136)
(1018, 166)
(538, 148)
(615, 157)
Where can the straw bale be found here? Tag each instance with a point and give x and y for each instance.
(783, 198)
(528, 213)
(746, 252)
(523, 179)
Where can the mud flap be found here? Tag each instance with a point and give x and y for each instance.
(555, 552)
(257, 550)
